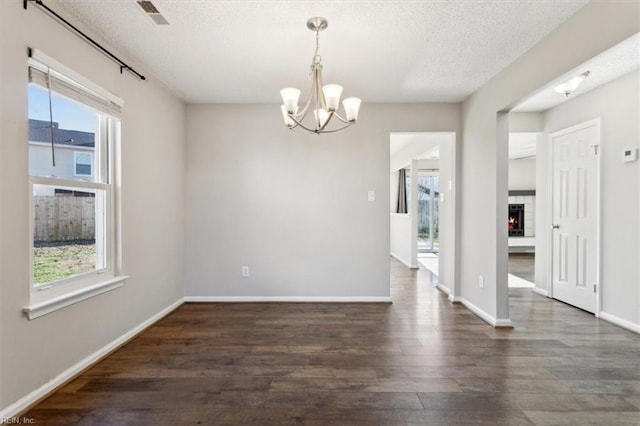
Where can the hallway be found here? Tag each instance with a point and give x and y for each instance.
(420, 360)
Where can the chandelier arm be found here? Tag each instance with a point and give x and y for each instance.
(316, 95)
(331, 114)
(342, 119)
(336, 130)
(298, 123)
(319, 85)
(303, 113)
(293, 129)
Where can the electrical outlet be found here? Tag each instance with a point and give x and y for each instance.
(245, 271)
(371, 195)
(481, 281)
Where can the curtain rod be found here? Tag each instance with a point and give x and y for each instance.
(123, 65)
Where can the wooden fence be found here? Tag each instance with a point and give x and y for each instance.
(63, 218)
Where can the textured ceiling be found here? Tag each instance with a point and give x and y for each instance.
(381, 51)
(615, 62)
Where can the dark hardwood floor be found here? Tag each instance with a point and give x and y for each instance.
(420, 360)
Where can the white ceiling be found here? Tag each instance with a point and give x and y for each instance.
(381, 51)
(615, 62)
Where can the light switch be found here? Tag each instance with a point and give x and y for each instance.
(371, 195)
(629, 155)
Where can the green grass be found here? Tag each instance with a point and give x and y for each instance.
(60, 261)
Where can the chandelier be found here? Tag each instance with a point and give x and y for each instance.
(324, 100)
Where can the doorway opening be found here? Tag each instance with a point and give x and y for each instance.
(522, 200)
(423, 211)
(571, 149)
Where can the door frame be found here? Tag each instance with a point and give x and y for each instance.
(596, 122)
(431, 173)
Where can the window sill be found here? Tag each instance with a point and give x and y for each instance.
(39, 308)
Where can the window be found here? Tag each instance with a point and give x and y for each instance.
(83, 163)
(73, 137)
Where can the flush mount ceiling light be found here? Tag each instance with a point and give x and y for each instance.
(324, 100)
(570, 85)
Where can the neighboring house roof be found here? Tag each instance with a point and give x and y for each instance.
(39, 131)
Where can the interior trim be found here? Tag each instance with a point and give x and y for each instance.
(34, 397)
(36, 310)
(285, 299)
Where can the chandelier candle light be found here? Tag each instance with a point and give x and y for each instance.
(325, 100)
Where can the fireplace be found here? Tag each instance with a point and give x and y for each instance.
(516, 220)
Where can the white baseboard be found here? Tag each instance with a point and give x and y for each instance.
(451, 297)
(443, 289)
(540, 291)
(284, 299)
(495, 322)
(25, 402)
(620, 322)
(404, 262)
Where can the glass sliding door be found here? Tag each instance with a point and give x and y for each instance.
(428, 211)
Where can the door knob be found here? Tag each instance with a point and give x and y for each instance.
(555, 226)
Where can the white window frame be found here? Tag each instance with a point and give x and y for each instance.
(76, 154)
(50, 297)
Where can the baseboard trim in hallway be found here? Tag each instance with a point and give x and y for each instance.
(540, 291)
(284, 299)
(34, 397)
(620, 322)
(491, 320)
(404, 262)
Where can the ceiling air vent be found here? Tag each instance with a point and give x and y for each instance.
(152, 12)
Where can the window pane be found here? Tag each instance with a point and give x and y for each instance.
(67, 232)
(74, 127)
(83, 163)
(83, 169)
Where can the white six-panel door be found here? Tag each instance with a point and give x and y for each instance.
(575, 215)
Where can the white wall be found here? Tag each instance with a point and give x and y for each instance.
(616, 104)
(293, 207)
(393, 191)
(153, 135)
(522, 174)
(525, 122)
(485, 142)
(401, 227)
(449, 255)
